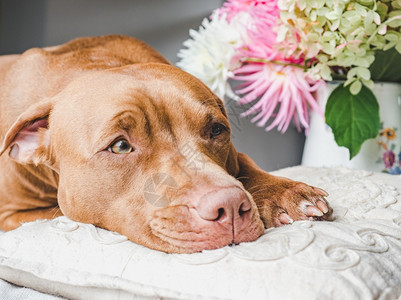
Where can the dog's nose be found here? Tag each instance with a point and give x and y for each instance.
(226, 205)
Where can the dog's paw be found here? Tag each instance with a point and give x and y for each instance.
(292, 202)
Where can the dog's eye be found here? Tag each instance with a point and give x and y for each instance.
(216, 130)
(121, 147)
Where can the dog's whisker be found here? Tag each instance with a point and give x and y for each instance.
(242, 177)
(262, 190)
(56, 210)
(254, 187)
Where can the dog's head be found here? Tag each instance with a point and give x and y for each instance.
(143, 150)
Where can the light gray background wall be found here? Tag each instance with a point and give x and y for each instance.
(164, 24)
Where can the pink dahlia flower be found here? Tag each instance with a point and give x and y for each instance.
(255, 8)
(277, 85)
(280, 91)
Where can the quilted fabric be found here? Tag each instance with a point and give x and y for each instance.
(355, 257)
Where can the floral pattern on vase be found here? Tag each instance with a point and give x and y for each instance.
(391, 152)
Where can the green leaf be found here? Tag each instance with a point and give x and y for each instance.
(352, 118)
(386, 66)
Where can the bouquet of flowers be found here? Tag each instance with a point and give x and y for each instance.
(282, 51)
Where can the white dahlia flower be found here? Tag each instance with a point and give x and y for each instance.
(210, 52)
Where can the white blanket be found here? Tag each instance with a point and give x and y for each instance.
(358, 256)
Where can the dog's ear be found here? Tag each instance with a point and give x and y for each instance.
(28, 138)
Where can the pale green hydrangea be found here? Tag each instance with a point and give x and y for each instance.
(339, 35)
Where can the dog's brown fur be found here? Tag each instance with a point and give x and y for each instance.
(60, 109)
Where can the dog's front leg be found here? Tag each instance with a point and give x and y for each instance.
(13, 219)
(280, 200)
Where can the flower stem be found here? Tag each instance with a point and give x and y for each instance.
(265, 61)
(377, 29)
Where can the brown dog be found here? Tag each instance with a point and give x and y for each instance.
(105, 131)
